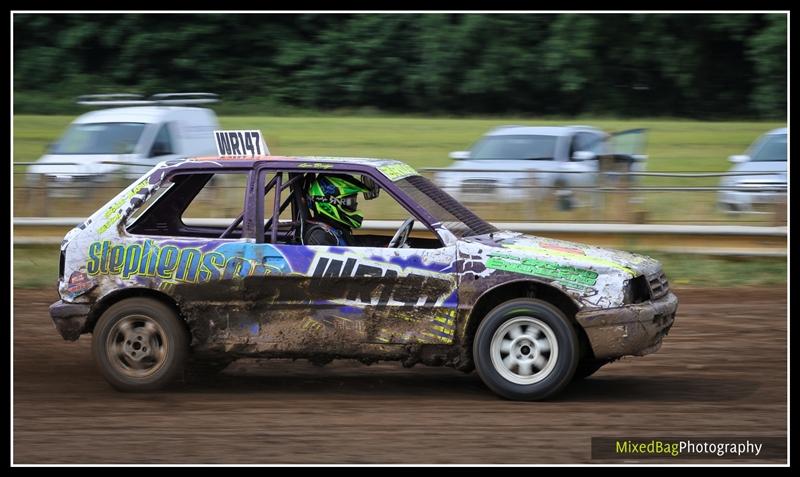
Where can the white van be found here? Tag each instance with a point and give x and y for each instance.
(126, 140)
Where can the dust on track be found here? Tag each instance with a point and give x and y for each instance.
(720, 372)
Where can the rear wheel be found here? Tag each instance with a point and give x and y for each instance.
(525, 349)
(140, 344)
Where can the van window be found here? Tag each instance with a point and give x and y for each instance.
(100, 138)
(771, 148)
(163, 143)
(588, 142)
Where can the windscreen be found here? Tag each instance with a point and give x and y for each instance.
(100, 138)
(771, 148)
(515, 147)
(458, 219)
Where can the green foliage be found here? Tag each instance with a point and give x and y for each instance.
(705, 66)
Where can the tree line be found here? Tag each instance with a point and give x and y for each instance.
(714, 66)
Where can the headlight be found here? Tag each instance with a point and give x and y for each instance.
(637, 290)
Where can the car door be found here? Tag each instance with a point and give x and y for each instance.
(583, 171)
(335, 298)
(632, 144)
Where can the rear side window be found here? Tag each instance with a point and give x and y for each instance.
(222, 197)
(203, 204)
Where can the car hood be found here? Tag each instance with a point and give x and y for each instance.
(500, 172)
(80, 164)
(500, 165)
(570, 253)
(760, 166)
(593, 276)
(777, 168)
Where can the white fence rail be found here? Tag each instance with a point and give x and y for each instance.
(723, 240)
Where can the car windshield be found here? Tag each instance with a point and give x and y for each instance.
(515, 147)
(771, 148)
(99, 138)
(458, 219)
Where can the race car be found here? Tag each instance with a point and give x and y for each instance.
(161, 293)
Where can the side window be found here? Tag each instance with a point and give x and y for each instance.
(356, 210)
(162, 146)
(207, 205)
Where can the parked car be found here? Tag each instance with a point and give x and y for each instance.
(126, 140)
(157, 291)
(521, 163)
(766, 159)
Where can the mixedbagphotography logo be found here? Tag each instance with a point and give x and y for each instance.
(712, 448)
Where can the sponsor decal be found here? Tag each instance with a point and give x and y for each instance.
(316, 165)
(561, 248)
(419, 288)
(568, 276)
(443, 328)
(240, 143)
(180, 263)
(440, 330)
(395, 172)
(78, 284)
(575, 256)
(114, 212)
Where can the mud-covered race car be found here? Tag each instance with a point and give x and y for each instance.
(161, 293)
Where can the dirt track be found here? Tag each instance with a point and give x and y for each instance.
(721, 372)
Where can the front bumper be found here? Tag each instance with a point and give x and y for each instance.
(69, 318)
(629, 330)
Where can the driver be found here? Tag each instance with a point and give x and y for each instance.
(332, 200)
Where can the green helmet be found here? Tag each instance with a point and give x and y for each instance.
(335, 196)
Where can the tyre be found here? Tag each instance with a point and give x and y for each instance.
(526, 349)
(587, 368)
(140, 344)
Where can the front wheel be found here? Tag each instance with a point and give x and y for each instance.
(525, 349)
(140, 344)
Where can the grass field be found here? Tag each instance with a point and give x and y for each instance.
(37, 267)
(673, 145)
(676, 145)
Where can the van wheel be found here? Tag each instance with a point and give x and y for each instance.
(526, 349)
(139, 344)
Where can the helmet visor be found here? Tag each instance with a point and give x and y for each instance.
(349, 203)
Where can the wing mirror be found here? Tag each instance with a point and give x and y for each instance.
(583, 156)
(458, 155)
(739, 158)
